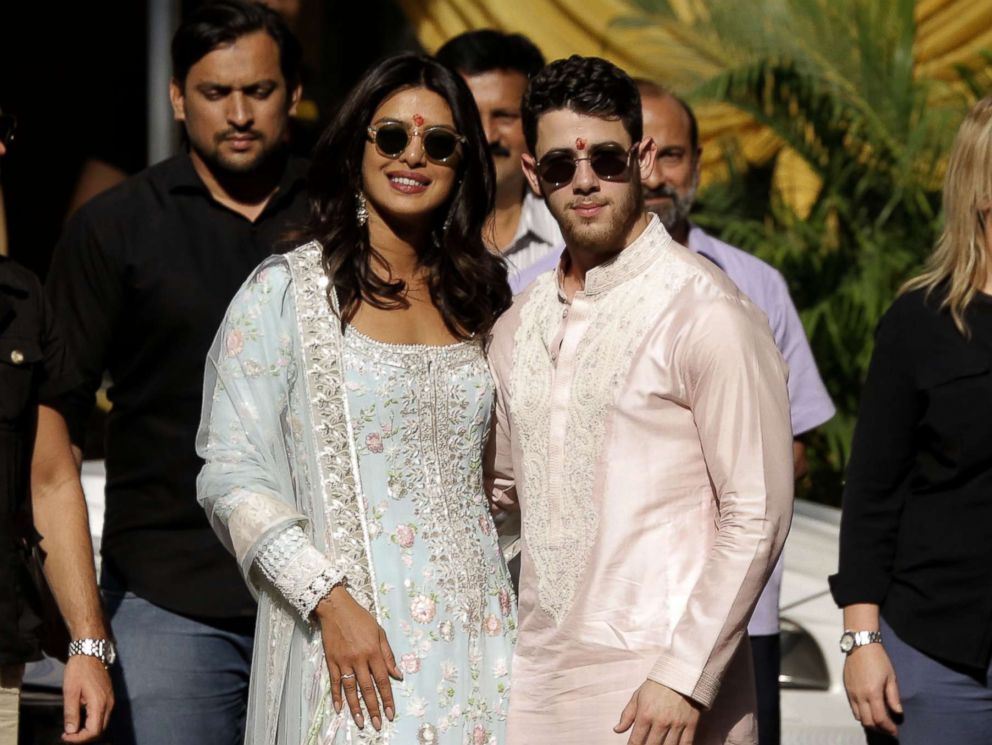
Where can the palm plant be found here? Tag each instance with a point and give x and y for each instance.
(834, 81)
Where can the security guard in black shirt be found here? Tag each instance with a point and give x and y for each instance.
(38, 474)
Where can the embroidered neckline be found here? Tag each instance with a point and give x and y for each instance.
(351, 330)
(631, 262)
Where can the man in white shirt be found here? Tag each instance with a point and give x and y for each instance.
(496, 66)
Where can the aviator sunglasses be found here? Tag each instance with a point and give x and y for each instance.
(392, 138)
(609, 162)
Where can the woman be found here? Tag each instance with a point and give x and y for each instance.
(346, 405)
(916, 533)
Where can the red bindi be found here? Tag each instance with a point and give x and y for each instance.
(418, 120)
(580, 144)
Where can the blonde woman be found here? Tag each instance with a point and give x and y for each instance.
(915, 577)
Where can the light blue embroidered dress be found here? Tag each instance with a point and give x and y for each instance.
(330, 455)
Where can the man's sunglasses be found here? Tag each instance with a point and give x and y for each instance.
(440, 143)
(609, 162)
(8, 124)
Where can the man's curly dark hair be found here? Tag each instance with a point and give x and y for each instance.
(585, 85)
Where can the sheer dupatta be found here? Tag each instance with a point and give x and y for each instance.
(276, 437)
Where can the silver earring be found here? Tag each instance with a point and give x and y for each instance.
(361, 212)
(451, 210)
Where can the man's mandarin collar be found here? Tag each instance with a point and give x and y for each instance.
(627, 264)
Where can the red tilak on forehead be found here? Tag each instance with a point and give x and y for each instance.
(580, 144)
(418, 120)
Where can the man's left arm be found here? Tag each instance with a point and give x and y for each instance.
(736, 386)
(60, 516)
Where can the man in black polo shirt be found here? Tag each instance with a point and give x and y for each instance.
(141, 278)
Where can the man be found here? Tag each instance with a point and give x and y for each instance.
(670, 191)
(37, 458)
(142, 277)
(642, 426)
(496, 66)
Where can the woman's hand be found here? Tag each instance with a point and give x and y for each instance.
(359, 659)
(871, 688)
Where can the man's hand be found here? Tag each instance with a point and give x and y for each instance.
(871, 688)
(659, 716)
(86, 683)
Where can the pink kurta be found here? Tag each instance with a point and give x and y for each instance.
(644, 431)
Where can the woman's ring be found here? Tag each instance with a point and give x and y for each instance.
(347, 675)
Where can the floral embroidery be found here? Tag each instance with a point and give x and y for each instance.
(420, 416)
(446, 630)
(409, 533)
(493, 625)
(504, 602)
(373, 442)
(235, 342)
(404, 536)
(422, 609)
(479, 735)
(410, 663)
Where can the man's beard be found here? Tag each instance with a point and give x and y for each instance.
(607, 236)
(673, 212)
(226, 163)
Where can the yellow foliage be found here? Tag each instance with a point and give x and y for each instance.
(949, 33)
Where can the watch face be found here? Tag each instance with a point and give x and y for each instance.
(847, 643)
(110, 652)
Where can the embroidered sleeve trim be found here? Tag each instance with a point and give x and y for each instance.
(301, 573)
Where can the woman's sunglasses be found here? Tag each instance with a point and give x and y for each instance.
(609, 162)
(440, 143)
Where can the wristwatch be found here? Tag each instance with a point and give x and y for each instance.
(851, 640)
(102, 649)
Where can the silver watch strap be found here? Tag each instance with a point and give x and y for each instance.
(861, 638)
(98, 648)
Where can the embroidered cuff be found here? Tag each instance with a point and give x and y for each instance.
(701, 687)
(301, 573)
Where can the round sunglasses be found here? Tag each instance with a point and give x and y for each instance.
(440, 143)
(609, 162)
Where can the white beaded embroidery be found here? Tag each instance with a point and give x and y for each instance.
(301, 573)
(560, 528)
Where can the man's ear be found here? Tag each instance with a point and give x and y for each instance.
(647, 151)
(294, 98)
(178, 100)
(529, 166)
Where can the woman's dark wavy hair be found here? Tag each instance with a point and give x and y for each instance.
(468, 284)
